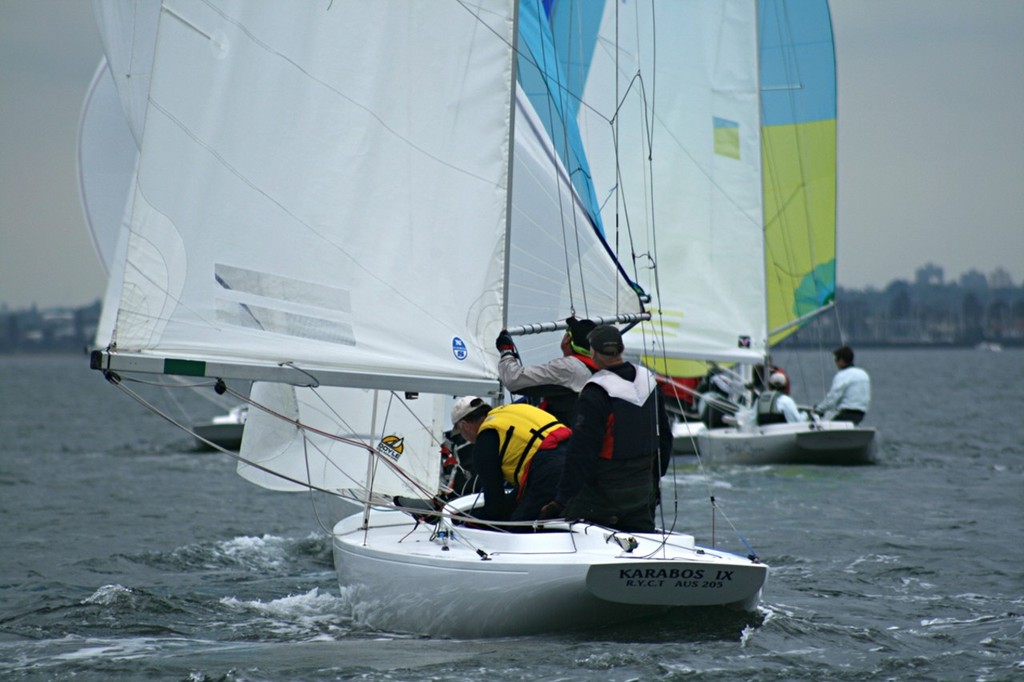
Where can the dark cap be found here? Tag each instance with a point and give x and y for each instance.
(578, 331)
(606, 340)
(844, 353)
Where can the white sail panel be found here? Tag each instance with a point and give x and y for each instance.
(281, 172)
(128, 29)
(557, 262)
(344, 426)
(106, 164)
(107, 158)
(706, 198)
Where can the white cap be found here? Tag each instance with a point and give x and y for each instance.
(463, 406)
(777, 380)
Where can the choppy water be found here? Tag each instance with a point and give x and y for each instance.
(126, 555)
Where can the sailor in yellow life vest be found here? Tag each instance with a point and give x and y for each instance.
(517, 444)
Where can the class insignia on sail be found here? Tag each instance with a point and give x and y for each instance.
(459, 349)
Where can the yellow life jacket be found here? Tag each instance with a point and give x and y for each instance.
(522, 430)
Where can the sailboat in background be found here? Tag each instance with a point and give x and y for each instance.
(738, 147)
(344, 204)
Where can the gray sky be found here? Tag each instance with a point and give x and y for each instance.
(931, 142)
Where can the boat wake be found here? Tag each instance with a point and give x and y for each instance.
(313, 614)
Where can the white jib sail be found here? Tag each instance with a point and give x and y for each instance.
(343, 429)
(300, 201)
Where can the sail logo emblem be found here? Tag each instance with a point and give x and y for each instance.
(391, 446)
(459, 349)
(726, 137)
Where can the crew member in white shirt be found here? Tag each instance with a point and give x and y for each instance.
(850, 395)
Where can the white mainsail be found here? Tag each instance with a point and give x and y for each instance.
(688, 135)
(321, 205)
(729, 127)
(546, 211)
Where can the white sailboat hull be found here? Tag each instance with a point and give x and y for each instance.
(684, 436)
(225, 435)
(400, 577)
(839, 443)
(223, 430)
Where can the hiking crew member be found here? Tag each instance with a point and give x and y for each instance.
(519, 445)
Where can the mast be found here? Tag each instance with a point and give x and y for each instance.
(513, 85)
(760, 154)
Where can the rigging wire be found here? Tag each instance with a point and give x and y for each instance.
(441, 515)
(443, 511)
(648, 118)
(619, 190)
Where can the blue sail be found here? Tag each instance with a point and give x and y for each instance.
(553, 80)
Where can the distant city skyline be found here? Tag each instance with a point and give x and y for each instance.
(931, 99)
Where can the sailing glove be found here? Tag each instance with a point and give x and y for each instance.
(505, 344)
(552, 510)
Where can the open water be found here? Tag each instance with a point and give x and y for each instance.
(124, 554)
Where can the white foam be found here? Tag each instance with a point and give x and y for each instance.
(311, 611)
(107, 595)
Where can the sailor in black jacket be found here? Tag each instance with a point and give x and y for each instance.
(621, 444)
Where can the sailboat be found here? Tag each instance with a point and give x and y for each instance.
(344, 203)
(739, 150)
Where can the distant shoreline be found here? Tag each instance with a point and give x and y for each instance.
(909, 345)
